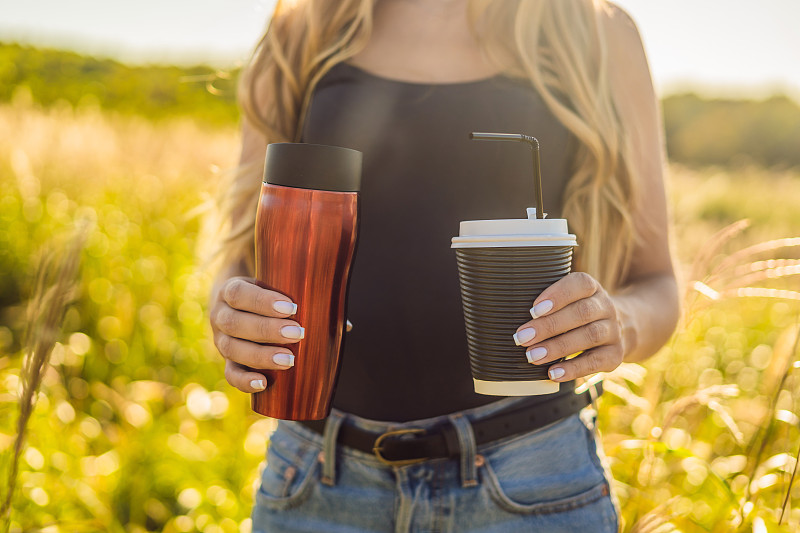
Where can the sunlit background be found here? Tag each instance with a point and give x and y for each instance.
(723, 46)
(117, 123)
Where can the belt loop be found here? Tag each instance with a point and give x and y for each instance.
(329, 436)
(466, 440)
(594, 394)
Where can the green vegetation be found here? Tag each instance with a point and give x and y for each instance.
(699, 131)
(135, 429)
(732, 132)
(56, 77)
(134, 423)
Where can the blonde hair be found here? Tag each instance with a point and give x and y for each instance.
(558, 45)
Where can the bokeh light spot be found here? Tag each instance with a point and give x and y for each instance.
(136, 415)
(107, 463)
(198, 402)
(39, 496)
(116, 351)
(109, 327)
(60, 460)
(183, 523)
(90, 427)
(190, 498)
(34, 458)
(65, 412)
(255, 444)
(156, 510)
(696, 471)
(80, 343)
(78, 388)
(219, 404)
(761, 356)
(784, 415)
(151, 314)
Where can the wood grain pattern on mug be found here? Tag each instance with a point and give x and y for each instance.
(305, 243)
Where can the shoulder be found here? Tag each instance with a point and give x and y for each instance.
(626, 60)
(617, 22)
(623, 40)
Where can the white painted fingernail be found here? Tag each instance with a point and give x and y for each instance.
(521, 337)
(556, 373)
(293, 332)
(541, 309)
(283, 359)
(286, 308)
(349, 326)
(258, 384)
(536, 354)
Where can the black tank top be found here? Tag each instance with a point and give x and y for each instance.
(406, 357)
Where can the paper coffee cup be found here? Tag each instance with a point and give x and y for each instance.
(503, 266)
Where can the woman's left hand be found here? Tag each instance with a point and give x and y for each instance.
(575, 314)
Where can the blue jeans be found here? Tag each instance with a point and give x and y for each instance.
(548, 480)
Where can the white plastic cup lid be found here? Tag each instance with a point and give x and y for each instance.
(513, 232)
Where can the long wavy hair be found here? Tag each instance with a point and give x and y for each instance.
(558, 45)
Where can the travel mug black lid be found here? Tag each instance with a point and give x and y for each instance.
(313, 166)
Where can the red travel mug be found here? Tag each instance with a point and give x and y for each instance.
(305, 240)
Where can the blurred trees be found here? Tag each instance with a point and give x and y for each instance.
(723, 132)
(152, 91)
(699, 131)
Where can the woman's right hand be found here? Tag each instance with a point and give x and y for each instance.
(248, 322)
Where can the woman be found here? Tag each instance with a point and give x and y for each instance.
(404, 81)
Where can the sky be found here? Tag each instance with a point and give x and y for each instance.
(726, 47)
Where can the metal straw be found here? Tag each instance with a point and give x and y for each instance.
(534, 144)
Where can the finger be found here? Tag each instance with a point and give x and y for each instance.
(601, 359)
(253, 355)
(257, 328)
(571, 288)
(591, 335)
(247, 296)
(244, 379)
(570, 317)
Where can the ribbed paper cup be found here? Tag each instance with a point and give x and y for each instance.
(503, 266)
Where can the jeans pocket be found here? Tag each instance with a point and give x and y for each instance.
(508, 502)
(546, 471)
(290, 473)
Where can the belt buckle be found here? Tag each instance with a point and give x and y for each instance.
(377, 449)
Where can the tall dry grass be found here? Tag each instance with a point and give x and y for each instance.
(666, 421)
(703, 437)
(55, 289)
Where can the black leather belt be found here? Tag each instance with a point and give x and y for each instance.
(413, 445)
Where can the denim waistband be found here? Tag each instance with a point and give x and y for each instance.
(476, 413)
(460, 420)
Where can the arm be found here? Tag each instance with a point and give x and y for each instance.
(576, 313)
(648, 304)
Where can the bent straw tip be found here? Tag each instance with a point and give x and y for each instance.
(518, 137)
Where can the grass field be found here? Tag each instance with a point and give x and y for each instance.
(135, 429)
